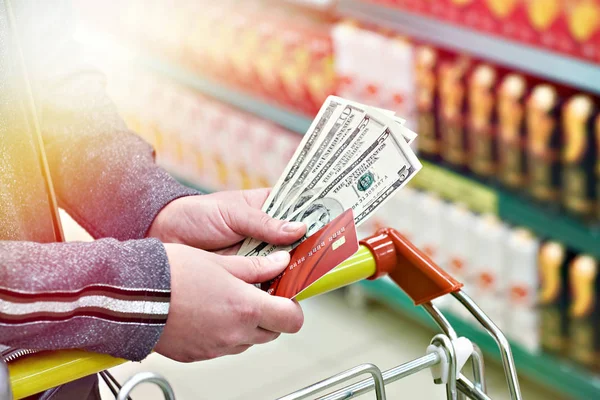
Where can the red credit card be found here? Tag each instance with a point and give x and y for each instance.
(316, 256)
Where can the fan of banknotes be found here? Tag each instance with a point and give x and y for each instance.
(352, 157)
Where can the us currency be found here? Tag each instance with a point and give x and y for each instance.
(366, 131)
(302, 153)
(364, 185)
(343, 126)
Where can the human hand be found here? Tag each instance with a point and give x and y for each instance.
(215, 311)
(220, 220)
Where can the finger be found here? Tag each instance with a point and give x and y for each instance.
(255, 198)
(229, 251)
(262, 336)
(239, 349)
(249, 221)
(279, 314)
(256, 269)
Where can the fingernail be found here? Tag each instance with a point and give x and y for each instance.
(292, 226)
(279, 256)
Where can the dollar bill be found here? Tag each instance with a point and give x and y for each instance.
(365, 131)
(304, 150)
(323, 150)
(364, 185)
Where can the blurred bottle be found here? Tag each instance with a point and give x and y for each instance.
(553, 297)
(543, 144)
(583, 18)
(427, 103)
(584, 312)
(488, 261)
(511, 131)
(578, 157)
(452, 91)
(522, 284)
(458, 246)
(480, 123)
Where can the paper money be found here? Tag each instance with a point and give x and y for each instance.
(349, 117)
(365, 185)
(353, 156)
(305, 148)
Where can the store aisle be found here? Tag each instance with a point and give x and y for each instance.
(335, 337)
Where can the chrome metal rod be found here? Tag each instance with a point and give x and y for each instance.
(5, 389)
(507, 359)
(478, 364)
(146, 377)
(467, 387)
(389, 376)
(375, 372)
(440, 320)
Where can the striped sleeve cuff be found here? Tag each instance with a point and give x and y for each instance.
(105, 296)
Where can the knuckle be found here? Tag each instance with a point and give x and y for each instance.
(255, 266)
(248, 314)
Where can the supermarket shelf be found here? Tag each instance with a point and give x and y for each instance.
(549, 371)
(539, 62)
(261, 108)
(449, 185)
(509, 207)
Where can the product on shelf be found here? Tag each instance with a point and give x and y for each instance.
(511, 132)
(579, 154)
(543, 144)
(553, 298)
(480, 120)
(584, 312)
(522, 282)
(571, 27)
(387, 83)
(452, 91)
(488, 265)
(458, 245)
(426, 87)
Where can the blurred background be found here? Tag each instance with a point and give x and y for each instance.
(503, 95)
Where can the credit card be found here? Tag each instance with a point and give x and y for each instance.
(316, 256)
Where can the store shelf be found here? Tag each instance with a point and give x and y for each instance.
(510, 207)
(543, 63)
(549, 371)
(448, 184)
(261, 108)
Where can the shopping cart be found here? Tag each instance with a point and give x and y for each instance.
(387, 253)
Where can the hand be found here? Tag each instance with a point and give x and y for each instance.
(214, 310)
(218, 221)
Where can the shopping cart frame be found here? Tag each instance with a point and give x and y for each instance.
(387, 253)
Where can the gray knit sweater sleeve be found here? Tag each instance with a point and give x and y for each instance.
(106, 296)
(110, 295)
(104, 174)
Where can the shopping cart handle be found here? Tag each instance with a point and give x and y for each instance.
(411, 269)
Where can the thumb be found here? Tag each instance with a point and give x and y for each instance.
(255, 223)
(256, 269)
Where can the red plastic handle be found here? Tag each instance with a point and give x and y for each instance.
(412, 270)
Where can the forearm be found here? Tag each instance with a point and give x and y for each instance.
(104, 174)
(106, 296)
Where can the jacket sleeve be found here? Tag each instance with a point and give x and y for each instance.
(105, 296)
(104, 175)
